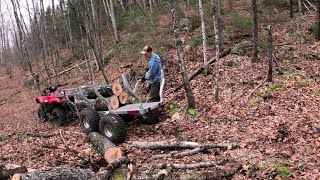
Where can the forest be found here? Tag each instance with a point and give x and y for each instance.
(237, 93)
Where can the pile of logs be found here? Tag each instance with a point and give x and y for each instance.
(119, 97)
(120, 167)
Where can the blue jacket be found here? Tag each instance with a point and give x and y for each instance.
(155, 66)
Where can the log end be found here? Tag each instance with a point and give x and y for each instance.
(16, 177)
(116, 89)
(112, 154)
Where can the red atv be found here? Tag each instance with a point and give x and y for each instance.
(52, 105)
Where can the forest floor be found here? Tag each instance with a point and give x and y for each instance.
(277, 127)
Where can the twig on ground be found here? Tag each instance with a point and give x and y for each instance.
(256, 88)
(64, 141)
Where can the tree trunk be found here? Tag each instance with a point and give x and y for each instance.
(94, 37)
(190, 97)
(204, 37)
(255, 31)
(56, 45)
(110, 7)
(150, 4)
(217, 30)
(269, 79)
(291, 9)
(300, 2)
(23, 50)
(43, 37)
(318, 21)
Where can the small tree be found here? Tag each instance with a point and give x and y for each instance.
(318, 21)
(217, 31)
(204, 37)
(255, 31)
(187, 87)
(269, 29)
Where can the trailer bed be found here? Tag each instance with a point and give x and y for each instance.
(135, 109)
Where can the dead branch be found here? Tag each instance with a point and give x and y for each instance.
(64, 141)
(187, 166)
(40, 135)
(2, 103)
(200, 69)
(176, 144)
(181, 154)
(256, 88)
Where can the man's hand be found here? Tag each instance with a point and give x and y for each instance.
(143, 79)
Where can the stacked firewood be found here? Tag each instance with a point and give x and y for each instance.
(119, 96)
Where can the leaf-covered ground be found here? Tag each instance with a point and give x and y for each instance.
(277, 127)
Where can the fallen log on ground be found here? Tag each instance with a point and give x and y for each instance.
(187, 166)
(180, 154)
(176, 144)
(7, 171)
(112, 154)
(200, 69)
(105, 147)
(58, 173)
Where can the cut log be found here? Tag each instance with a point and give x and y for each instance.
(114, 102)
(116, 89)
(176, 144)
(123, 97)
(200, 69)
(6, 171)
(105, 147)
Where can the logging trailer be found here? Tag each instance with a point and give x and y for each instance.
(106, 120)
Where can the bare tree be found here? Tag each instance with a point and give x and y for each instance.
(204, 37)
(150, 4)
(56, 45)
(187, 87)
(217, 30)
(23, 52)
(255, 31)
(94, 35)
(318, 21)
(269, 29)
(112, 16)
(291, 9)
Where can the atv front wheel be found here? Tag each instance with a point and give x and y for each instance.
(113, 127)
(43, 109)
(89, 120)
(151, 117)
(60, 115)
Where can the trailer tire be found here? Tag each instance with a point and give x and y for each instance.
(89, 120)
(127, 117)
(113, 127)
(150, 118)
(60, 115)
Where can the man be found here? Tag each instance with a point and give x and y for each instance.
(153, 75)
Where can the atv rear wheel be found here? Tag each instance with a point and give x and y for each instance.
(43, 109)
(89, 120)
(151, 117)
(60, 115)
(113, 127)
